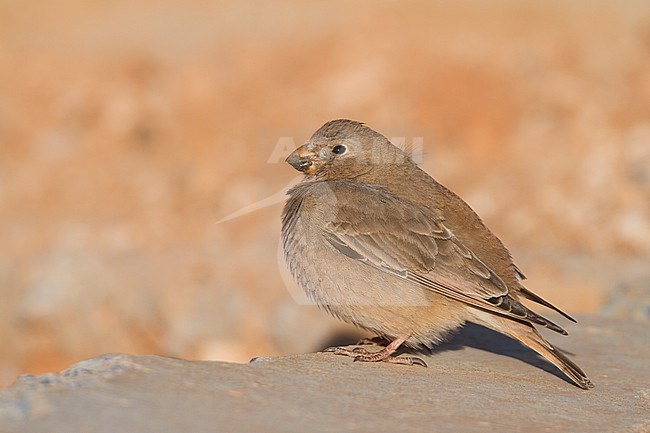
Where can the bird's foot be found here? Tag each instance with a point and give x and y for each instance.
(384, 355)
(339, 350)
(404, 360)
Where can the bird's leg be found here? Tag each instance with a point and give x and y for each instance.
(384, 355)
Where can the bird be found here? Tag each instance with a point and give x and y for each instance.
(378, 243)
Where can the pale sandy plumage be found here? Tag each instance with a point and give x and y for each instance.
(380, 244)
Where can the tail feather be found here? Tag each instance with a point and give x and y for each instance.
(535, 298)
(529, 336)
(513, 305)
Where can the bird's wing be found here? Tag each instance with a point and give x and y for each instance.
(381, 229)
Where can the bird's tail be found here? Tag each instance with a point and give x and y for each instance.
(529, 336)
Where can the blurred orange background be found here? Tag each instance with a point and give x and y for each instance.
(129, 129)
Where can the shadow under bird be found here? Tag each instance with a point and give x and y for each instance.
(380, 244)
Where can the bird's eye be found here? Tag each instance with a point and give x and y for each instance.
(339, 149)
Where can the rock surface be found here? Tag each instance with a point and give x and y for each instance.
(465, 389)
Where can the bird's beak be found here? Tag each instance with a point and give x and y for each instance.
(302, 159)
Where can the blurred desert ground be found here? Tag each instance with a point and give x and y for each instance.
(128, 129)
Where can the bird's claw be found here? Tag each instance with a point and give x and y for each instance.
(418, 361)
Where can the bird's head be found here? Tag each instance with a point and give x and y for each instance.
(345, 149)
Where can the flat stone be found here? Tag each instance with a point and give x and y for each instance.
(479, 381)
